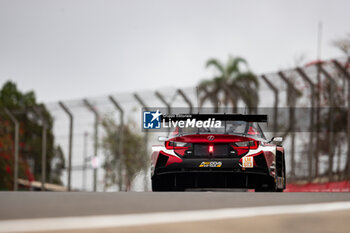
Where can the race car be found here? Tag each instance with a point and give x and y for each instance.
(236, 155)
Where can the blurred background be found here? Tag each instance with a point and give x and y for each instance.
(74, 76)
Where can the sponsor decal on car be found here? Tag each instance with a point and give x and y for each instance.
(248, 162)
(280, 181)
(210, 164)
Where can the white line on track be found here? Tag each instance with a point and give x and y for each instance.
(106, 221)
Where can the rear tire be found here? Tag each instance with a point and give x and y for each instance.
(155, 185)
(158, 186)
(268, 186)
(266, 189)
(161, 185)
(280, 170)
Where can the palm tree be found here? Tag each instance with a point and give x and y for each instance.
(230, 85)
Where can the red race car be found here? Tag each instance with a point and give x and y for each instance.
(236, 155)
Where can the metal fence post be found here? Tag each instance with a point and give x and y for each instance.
(291, 120)
(347, 76)
(85, 143)
(16, 145)
(70, 115)
(97, 117)
(121, 140)
(168, 106)
(331, 142)
(140, 101)
(275, 105)
(187, 100)
(162, 99)
(43, 148)
(311, 136)
(232, 97)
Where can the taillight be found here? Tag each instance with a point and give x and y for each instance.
(246, 144)
(242, 148)
(171, 145)
(180, 148)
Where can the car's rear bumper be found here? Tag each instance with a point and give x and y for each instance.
(230, 165)
(212, 180)
(190, 174)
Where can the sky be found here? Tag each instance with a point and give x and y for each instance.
(72, 49)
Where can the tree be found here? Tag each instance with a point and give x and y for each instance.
(231, 84)
(21, 105)
(134, 159)
(344, 45)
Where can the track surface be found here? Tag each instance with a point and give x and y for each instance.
(332, 222)
(36, 207)
(22, 205)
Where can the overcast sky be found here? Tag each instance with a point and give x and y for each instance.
(73, 49)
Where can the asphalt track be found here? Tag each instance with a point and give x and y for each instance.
(36, 205)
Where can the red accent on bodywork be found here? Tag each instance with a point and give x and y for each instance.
(269, 157)
(154, 157)
(252, 131)
(172, 159)
(252, 155)
(256, 145)
(280, 149)
(245, 149)
(180, 151)
(241, 151)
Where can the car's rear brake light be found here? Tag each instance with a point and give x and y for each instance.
(211, 149)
